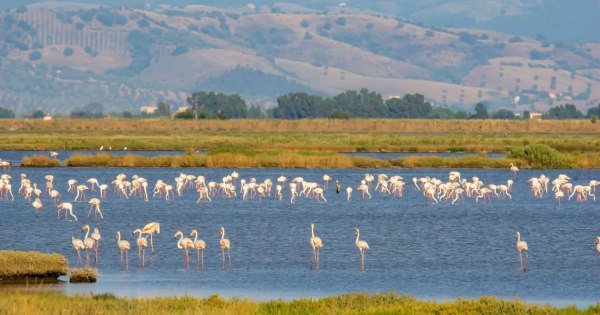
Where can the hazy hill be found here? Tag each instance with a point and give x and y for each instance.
(60, 56)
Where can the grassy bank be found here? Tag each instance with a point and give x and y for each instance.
(19, 265)
(83, 275)
(39, 161)
(55, 303)
(354, 135)
(537, 156)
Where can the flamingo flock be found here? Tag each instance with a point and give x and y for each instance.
(454, 190)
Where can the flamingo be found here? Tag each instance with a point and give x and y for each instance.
(141, 243)
(77, 245)
(349, 193)
(185, 244)
(68, 208)
(598, 244)
(96, 237)
(514, 169)
(316, 244)
(362, 246)
(37, 204)
(81, 192)
(559, 195)
(124, 247)
(225, 244)
(326, 179)
(55, 195)
(521, 247)
(104, 190)
(200, 246)
(95, 203)
(88, 242)
(71, 183)
(150, 229)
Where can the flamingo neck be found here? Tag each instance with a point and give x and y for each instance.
(222, 234)
(357, 236)
(195, 237)
(179, 242)
(118, 237)
(87, 233)
(312, 231)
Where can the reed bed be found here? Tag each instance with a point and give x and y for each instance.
(15, 302)
(83, 275)
(39, 161)
(21, 265)
(477, 161)
(132, 160)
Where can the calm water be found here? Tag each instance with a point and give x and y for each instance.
(430, 251)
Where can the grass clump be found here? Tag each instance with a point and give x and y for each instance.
(39, 161)
(21, 265)
(476, 161)
(54, 303)
(540, 155)
(368, 162)
(83, 275)
(132, 160)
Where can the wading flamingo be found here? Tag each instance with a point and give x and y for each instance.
(185, 244)
(316, 244)
(81, 192)
(200, 246)
(67, 207)
(362, 246)
(78, 246)
(124, 247)
(514, 169)
(521, 247)
(349, 193)
(96, 237)
(88, 242)
(142, 242)
(598, 244)
(150, 229)
(95, 204)
(225, 244)
(37, 205)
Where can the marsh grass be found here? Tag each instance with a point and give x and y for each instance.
(15, 302)
(20, 265)
(39, 161)
(83, 275)
(476, 161)
(132, 160)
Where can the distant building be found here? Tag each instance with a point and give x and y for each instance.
(150, 110)
(535, 116)
(47, 117)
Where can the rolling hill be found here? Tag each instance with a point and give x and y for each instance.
(57, 57)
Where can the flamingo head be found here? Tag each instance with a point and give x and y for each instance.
(222, 230)
(118, 234)
(356, 231)
(194, 232)
(597, 239)
(137, 231)
(85, 227)
(178, 233)
(517, 235)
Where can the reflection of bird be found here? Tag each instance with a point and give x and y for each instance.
(521, 247)
(362, 246)
(124, 247)
(316, 244)
(225, 244)
(200, 246)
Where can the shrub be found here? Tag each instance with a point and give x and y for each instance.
(68, 52)
(539, 155)
(83, 275)
(35, 55)
(17, 265)
(39, 161)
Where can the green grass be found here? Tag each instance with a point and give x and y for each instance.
(20, 265)
(83, 275)
(15, 302)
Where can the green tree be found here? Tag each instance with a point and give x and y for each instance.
(6, 113)
(163, 109)
(481, 112)
(188, 114)
(409, 106)
(503, 114)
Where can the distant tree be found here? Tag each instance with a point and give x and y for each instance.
(255, 112)
(21, 9)
(568, 111)
(143, 23)
(188, 114)
(163, 109)
(503, 114)
(35, 55)
(307, 36)
(515, 39)
(338, 114)
(484, 36)
(481, 112)
(369, 26)
(593, 111)
(127, 114)
(429, 33)
(37, 45)
(38, 114)
(6, 113)
(439, 112)
(341, 21)
(526, 114)
(68, 52)
(327, 26)
(304, 23)
(467, 38)
(461, 114)
(409, 106)
(217, 105)
(361, 103)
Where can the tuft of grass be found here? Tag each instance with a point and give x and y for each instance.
(477, 161)
(389, 303)
(540, 156)
(83, 275)
(39, 161)
(20, 265)
(368, 162)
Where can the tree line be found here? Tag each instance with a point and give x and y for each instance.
(299, 105)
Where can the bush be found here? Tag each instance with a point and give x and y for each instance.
(19, 264)
(35, 55)
(542, 156)
(68, 52)
(83, 275)
(304, 23)
(39, 161)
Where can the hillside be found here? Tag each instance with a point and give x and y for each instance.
(57, 57)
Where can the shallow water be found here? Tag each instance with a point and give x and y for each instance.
(431, 251)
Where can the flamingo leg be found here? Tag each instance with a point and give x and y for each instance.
(223, 252)
(229, 256)
(90, 212)
(126, 260)
(521, 260)
(202, 260)
(121, 259)
(152, 243)
(143, 258)
(526, 261)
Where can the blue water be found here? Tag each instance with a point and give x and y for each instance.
(432, 251)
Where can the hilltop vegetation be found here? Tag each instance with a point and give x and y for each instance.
(57, 59)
